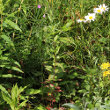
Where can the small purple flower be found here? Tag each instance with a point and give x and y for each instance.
(44, 16)
(39, 6)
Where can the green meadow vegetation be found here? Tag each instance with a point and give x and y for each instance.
(54, 54)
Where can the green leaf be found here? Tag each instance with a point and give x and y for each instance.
(1, 7)
(67, 26)
(6, 97)
(16, 63)
(14, 93)
(67, 40)
(51, 77)
(22, 104)
(4, 58)
(12, 68)
(103, 40)
(7, 3)
(56, 38)
(70, 105)
(61, 65)
(4, 90)
(49, 68)
(13, 25)
(87, 87)
(17, 69)
(10, 76)
(7, 39)
(40, 107)
(21, 89)
(33, 91)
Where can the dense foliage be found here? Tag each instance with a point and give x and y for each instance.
(51, 58)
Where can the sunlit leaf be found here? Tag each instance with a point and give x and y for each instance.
(13, 25)
(10, 76)
(70, 105)
(32, 91)
(7, 39)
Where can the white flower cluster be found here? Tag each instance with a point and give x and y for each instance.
(91, 16)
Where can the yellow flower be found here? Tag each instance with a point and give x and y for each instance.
(105, 65)
(105, 73)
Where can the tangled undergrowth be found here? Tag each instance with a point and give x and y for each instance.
(54, 55)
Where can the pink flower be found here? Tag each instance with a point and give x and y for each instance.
(51, 85)
(53, 100)
(44, 16)
(59, 90)
(39, 6)
(57, 87)
(48, 108)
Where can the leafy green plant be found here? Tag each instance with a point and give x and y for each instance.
(55, 52)
(6, 43)
(14, 97)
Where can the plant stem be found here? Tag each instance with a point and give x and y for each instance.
(1, 23)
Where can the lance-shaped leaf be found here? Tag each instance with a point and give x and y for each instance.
(7, 39)
(70, 105)
(12, 24)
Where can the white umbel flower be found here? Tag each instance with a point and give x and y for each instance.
(90, 17)
(81, 20)
(103, 7)
(98, 10)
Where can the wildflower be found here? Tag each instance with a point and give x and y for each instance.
(81, 20)
(105, 65)
(44, 16)
(49, 94)
(59, 90)
(57, 87)
(90, 17)
(98, 10)
(49, 108)
(47, 86)
(51, 85)
(39, 6)
(105, 73)
(53, 100)
(103, 7)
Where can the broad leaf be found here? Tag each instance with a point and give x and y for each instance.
(7, 39)
(7, 98)
(13, 25)
(4, 90)
(10, 76)
(32, 91)
(11, 67)
(70, 105)
(22, 104)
